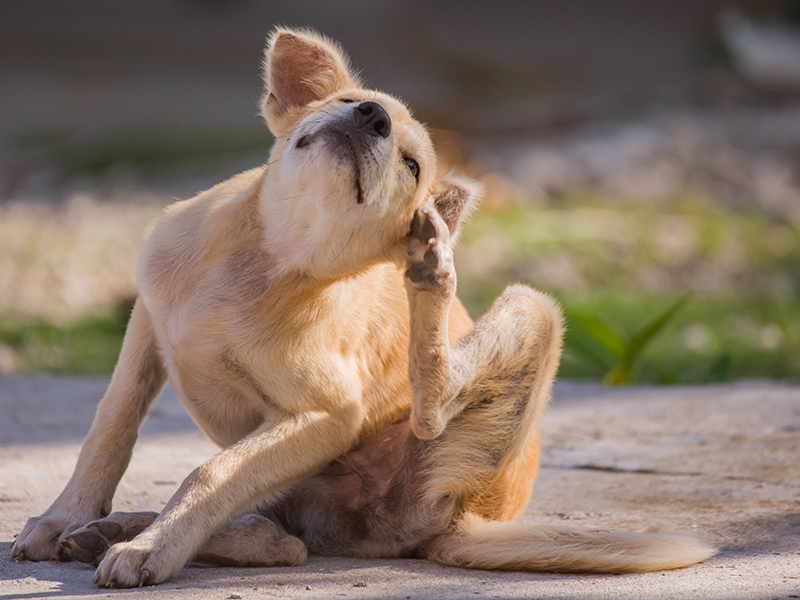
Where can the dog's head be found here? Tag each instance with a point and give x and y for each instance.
(349, 166)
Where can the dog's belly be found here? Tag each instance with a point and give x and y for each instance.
(366, 503)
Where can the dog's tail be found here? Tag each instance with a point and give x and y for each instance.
(512, 546)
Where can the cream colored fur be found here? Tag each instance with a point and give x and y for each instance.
(277, 306)
(482, 544)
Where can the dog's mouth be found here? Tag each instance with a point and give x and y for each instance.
(343, 144)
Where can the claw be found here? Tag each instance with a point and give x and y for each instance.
(62, 552)
(147, 577)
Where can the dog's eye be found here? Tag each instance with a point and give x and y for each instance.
(412, 165)
(347, 100)
(303, 141)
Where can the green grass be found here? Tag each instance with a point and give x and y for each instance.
(599, 244)
(87, 346)
(595, 341)
(708, 340)
(616, 267)
(711, 339)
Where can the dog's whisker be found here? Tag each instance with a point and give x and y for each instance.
(350, 239)
(295, 197)
(250, 179)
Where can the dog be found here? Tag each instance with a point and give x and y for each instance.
(305, 313)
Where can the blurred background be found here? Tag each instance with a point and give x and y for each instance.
(641, 161)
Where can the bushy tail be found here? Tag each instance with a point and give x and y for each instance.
(511, 546)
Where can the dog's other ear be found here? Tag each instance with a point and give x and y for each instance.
(455, 198)
(300, 67)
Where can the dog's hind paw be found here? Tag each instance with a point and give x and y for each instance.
(429, 254)
(90, 543)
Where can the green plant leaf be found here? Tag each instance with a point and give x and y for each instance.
(645, 335)
(720, 368)
(582, 346)
(601, 333)
(667, 377)
(617, 376)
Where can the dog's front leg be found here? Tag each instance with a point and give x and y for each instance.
(269, 459)
(137, 380)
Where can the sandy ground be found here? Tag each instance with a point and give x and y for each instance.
(721, 461)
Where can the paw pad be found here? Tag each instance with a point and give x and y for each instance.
(430, 256)
(90, 543)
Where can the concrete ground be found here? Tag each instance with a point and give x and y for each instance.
(721, 461)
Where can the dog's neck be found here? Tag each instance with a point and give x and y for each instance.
(301, 236)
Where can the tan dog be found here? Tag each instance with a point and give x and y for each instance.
(300, 310)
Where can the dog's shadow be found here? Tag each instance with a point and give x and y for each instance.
(323, 577)
(318, 577)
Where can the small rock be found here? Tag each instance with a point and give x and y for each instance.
(308, 587)
(360, 584)
(235, 597)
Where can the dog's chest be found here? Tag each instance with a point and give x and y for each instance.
(239, 365)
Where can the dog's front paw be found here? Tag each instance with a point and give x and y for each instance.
(133, 564)
(41, 537)
(90, 543)
(429, 254)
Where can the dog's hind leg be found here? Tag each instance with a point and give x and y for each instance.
(248, 541)
(106, 451)
(90, 543)
(482, 399)
(252, 541)
(480, 404)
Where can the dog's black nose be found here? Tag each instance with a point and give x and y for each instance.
(374, 118)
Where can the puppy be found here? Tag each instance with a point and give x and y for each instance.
(305, 311)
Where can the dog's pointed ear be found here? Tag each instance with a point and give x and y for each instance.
(299, 68)
(455, 198)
